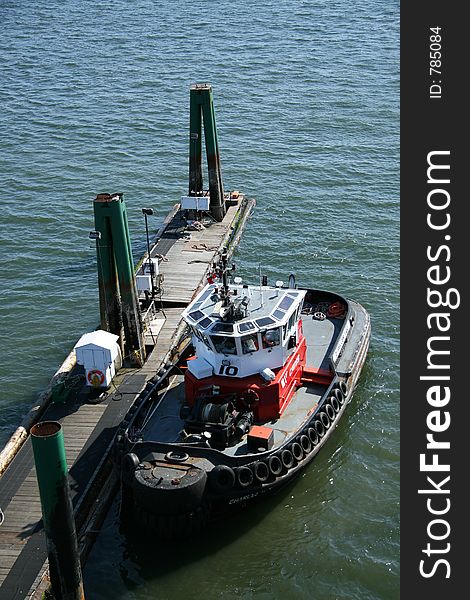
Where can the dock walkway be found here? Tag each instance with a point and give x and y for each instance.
(88, 428)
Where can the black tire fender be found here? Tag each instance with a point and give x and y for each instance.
(319, 428)
(222, 478)
(313, 435)
(297, 451)
(244, 476)
(261, 471)
(287, 459)
(306, 444)
(330, 412)
(335, 404)
(339, 396)
(324, 419)
(275, 465)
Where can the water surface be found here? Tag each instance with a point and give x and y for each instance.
(95, 98)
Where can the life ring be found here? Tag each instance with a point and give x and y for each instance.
(95, 378)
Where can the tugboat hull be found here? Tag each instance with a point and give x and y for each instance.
(176, 487)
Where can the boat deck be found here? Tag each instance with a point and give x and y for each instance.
(89, 428)
(165, 423)
(321, 337)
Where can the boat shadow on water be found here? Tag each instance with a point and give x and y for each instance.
(154, 560)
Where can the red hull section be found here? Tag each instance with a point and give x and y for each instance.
(274, 396)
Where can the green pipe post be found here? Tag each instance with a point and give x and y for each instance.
(123, 313)
(216, 187)
(59, 525)
(131, 318)
(110, 301)
(201, 99)
(195, 142)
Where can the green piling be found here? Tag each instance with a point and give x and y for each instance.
(195, 144)
(59, 525)
(110, 301)
(119, 305)
(202, 110)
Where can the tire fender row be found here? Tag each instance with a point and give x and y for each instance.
(224, 478)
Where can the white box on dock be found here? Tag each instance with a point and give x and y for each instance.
(144, 283)
(98, 351)
(143, 279)
(147, 267)
(195, 202)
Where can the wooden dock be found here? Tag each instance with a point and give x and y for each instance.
(89, 428)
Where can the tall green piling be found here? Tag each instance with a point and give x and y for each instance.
(119, 305)
(202, 111)
(110, 300)
(59, 525)
(195, 144)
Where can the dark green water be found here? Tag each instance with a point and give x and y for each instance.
(95, 98)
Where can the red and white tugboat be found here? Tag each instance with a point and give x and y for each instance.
(272, 371)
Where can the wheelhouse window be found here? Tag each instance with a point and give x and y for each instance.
(286, 302)
(223, 327)
(196, 315)
(224, 344)
(291, 321)
(205, 323)
(248, 326)
(271, 338)
(249, 343)
(264, 321)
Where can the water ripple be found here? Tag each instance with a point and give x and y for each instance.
(95, 98)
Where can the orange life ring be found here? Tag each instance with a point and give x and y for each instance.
(95, 378)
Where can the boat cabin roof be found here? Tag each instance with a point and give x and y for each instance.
(262, 307)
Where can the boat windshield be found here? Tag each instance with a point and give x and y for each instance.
(224, 344)
(249, 343)
(271, 338)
